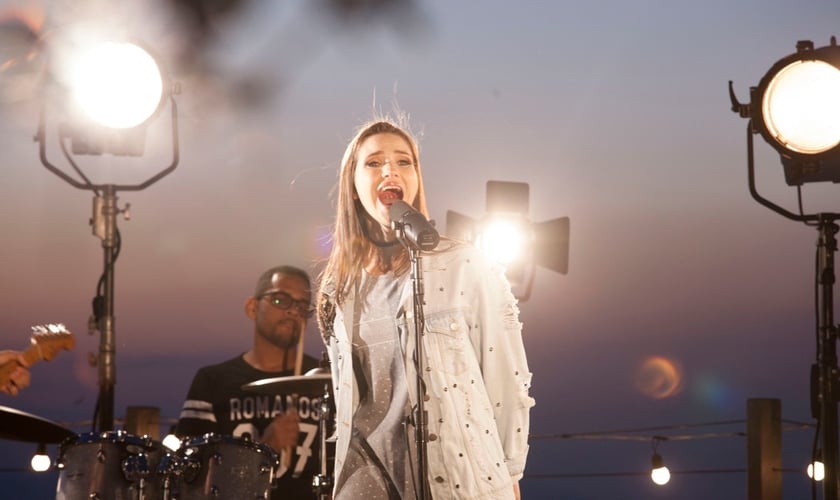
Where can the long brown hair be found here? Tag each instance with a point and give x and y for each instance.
(351, 248)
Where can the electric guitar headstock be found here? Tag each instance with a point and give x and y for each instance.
(47, 341)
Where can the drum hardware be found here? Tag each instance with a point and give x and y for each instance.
(322, 483)
(313, 382)
(136, 469)
(170, 469)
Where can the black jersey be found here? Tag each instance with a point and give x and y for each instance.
(217, 404)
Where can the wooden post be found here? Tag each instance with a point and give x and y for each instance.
(143, 420)
(764, 449)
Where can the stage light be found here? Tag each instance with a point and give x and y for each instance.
(508, 236)
(103, 98)
(795, 108)
(504, 239)
(118, 85)
(106, 95)
(40, 460)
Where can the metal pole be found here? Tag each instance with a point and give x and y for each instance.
(107, 344)
(827, 354)
(824, 370)
(420, 416)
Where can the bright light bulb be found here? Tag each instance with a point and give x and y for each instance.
(118, 85)
(40, 462)
(502, 241)
(660, 475)
(172, 442)
(801, 105)
(816, 471)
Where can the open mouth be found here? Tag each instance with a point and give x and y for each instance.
(389, 194)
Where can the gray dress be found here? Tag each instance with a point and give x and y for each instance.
(378, 466)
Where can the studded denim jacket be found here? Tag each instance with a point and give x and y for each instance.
(476, 375)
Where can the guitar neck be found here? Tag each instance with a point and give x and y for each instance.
(32, 355)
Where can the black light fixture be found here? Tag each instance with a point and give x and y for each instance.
(796, 109)
(103, 96)
(507, 235)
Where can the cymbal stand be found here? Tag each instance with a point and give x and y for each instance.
(322, 483)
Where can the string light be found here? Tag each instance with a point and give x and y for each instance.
(659, 473)
(40, 460)
(664, 474)
(816, 469)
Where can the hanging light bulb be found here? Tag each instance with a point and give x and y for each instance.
(658, 472)
(816, 469)
(40, 460)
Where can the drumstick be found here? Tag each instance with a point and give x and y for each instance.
(299, 355)
(287, 457)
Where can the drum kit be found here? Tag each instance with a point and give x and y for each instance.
(117, 465)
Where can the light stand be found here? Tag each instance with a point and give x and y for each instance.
(794, 108)
(824, 372)
(104, 224)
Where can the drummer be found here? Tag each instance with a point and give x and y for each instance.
(216, 403)
(19, 378)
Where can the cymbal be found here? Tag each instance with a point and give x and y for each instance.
(21, 426)
(310, 384)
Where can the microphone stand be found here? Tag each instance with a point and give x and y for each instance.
(420, 415)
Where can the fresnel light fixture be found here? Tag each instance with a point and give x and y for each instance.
(102, 97)
(508, 236)
(796, 109)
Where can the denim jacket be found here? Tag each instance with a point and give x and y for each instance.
(476, 375)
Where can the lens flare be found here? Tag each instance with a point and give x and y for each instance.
(659, 377)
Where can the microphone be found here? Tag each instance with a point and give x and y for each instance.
(418, 230)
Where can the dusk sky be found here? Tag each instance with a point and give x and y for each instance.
(615, 113)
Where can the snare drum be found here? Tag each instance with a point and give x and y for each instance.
(215, 466)
(112, 465)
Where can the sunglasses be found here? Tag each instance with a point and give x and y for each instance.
(284, 301)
